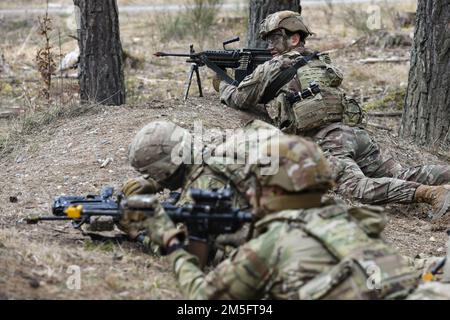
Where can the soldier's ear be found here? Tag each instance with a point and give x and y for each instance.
(295, 39)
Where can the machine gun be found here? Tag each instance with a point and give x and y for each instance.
(210, 214)
(243, 61)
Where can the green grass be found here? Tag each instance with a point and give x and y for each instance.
(393, 99)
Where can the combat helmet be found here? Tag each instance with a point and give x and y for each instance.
(158, 148)
(288, 20)
(302, 166)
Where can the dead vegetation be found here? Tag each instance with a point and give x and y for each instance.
(45, 57)
(58, 148)
(194, 22)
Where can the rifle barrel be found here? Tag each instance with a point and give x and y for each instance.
(101, 212)
(34, 220)
(165, 54)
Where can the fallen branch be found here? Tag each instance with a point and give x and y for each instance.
(158, 80)
(383, 60)
(5, 115)
(16, 79)
(379, 126)
(11, 113)
(69, 76)
(357, 41)
(385, 114)
(332, 50)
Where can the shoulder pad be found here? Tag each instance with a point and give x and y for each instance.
(290, 54)
(324, 57)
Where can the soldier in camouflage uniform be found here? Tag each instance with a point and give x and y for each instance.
(301, 249)
(151, 153)
(333, 121)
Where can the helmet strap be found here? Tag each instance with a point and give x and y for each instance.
(294, 201)
(175, 180)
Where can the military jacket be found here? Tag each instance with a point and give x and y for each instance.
(321, 253)
(330, 105)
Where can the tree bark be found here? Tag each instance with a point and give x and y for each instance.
(101, 62)
(426, 115)
(259, 10)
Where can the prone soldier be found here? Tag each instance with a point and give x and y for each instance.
(301, 248)
(164, 154)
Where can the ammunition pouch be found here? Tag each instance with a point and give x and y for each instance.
(328, 106)
(322, 109)
(353, 114)
(362, 278)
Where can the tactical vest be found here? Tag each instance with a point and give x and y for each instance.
(367, 267)
(328, 106)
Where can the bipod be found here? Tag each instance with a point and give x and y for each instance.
(194, 68)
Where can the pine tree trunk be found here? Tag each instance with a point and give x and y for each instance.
(259, 10)
(101, 63)
(426, 116)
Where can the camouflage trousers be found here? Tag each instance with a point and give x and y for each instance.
(365, 175)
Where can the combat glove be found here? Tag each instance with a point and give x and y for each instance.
(140, 185)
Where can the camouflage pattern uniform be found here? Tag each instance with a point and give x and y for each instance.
(364, 174)
(222, 166)
(332, 120)
(302, 251)
(219, 168)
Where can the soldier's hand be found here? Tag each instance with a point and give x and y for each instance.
(216, 82)
(136, 209)
(145, 213)
(161, 229)
(140, 185)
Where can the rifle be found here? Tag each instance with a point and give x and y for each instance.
(210, 214)
(243, 61)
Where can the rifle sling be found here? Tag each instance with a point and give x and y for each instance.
(284, 77)
(222, 74)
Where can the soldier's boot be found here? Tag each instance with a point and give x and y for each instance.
(437, 196)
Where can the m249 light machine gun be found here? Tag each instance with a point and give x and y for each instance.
(242, 61)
